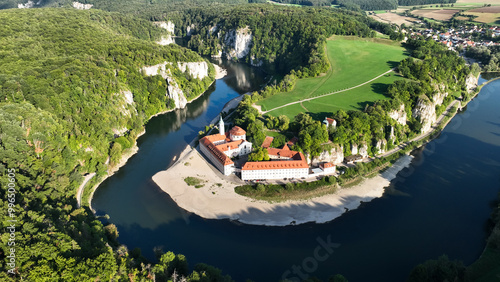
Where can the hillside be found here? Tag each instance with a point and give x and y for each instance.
(70, 83)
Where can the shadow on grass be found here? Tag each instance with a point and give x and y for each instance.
(380, 88)
(392, 64)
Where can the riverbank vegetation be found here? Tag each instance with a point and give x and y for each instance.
(64, 85)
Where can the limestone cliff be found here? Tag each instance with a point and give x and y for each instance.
(399, 115)
(425, 112)
(238, 42)
(81, 6)
(170, 27)
(381, 146)
(335, 156)
(198, 70)
(28, 4)
(363, 150)
(471, 82)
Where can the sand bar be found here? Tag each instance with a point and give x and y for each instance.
(217, 199)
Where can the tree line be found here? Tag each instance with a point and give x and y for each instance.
(61, 99)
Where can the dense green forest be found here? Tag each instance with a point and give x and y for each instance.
(488, 56)
(62, 75)
(283, 38)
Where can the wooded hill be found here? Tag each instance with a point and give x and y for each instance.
(62, 77)
(283, 38)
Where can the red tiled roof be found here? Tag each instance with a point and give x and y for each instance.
(229, 145)
(281, 152)
(274, 165)
(292, 142)
(330, 120)
(299, 161)
(237, 131)
(326, 165)
(216, 152)
(215, 137)
(267, 142)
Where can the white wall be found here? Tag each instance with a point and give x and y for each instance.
(274, 173)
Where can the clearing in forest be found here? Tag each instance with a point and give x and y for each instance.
(354, 61)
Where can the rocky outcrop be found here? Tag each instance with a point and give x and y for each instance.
(190, 29)
(381, 146)
(354, 149)
(165, 40)
(335, 156)
(363, 150)
(399, 115)
(197, 70)
(425, 112)
(238, 42)
(173, 90)
(81, 6)
(170, 27)
(471, 82)
(29, 4)
(218, 55)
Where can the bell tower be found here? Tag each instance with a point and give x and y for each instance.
(221, 126)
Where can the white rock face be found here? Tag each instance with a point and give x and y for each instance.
(169, 26)
(29, 4)
(166, 40)
(198, 70)
(212, 29)
(425, 112)
(175, 93)
(471, 82)
(354, 149)
(381, 145)
(159, 69)
(129, 97)
(399, 115)
(363, 150)
(189, 30)
(218, 55)
(81, 6)
(238, 42)
(334, 156)
(391, 135)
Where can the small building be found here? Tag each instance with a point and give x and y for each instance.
(327, 168)
(353, 158)
(267, 142)
(290, 143)
(330, 122)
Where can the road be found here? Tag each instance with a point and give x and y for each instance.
(80, 189)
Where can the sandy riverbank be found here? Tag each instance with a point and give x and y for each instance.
(219, 72)
(214, 202)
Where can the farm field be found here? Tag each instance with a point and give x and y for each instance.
(392, 18)
(355, 99)
(353, 60)
(475, 2)
(486, 14)
(436, 14)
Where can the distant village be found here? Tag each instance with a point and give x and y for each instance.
(461, 37)
(220, 150)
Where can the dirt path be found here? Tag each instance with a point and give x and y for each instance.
(80, 189)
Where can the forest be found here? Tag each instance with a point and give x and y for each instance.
(488, 56)
(283, 38)
(61, 83)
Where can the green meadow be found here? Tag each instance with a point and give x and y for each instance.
(353, 61)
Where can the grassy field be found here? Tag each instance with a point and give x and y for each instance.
(436, 14)
(354, 61)
(355, 99)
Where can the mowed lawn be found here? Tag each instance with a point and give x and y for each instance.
(355, 99)
(353, 61)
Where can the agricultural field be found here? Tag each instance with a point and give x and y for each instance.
(436, 14)
(490, 15)
(392, 18)
(355, 99)
(475, 2)
(353, 61)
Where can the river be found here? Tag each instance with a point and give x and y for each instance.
(440, 205)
